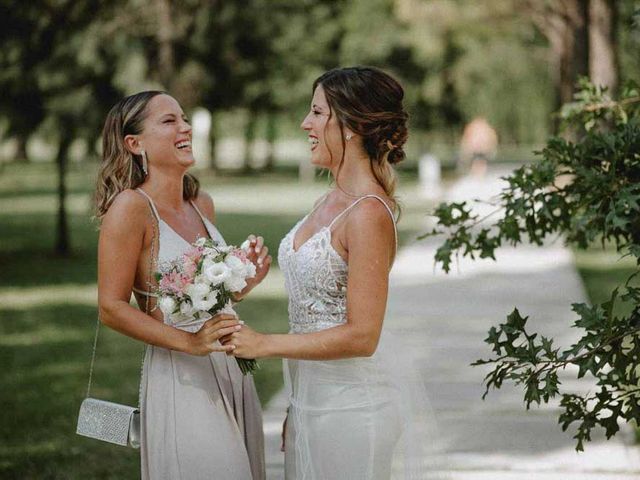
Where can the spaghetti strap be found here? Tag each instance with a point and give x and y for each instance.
(195, 207)
(153, 206)
(144, 292)
(205, 221)
(393, 219)
(318, 203)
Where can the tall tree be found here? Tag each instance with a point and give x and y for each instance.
(69, 70)
(603, 44)
(23, 46)
(465, 55)
(565, 24)
(263, 55)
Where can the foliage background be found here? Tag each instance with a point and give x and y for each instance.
(249, 64)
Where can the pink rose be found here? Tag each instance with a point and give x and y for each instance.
(194, 254)
(189, 268)
(174, 282)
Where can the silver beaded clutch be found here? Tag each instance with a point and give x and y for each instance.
(109, 422)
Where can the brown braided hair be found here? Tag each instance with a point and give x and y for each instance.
(368, 102)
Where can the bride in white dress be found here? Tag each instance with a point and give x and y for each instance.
(356, 408)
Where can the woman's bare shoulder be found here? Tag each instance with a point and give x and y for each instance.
(372, 214)
(129, 208)
(205, 204)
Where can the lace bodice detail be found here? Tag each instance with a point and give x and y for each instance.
(315, 278)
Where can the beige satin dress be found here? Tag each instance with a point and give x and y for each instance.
(200, 417)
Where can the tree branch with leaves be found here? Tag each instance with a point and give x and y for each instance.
(586, 190)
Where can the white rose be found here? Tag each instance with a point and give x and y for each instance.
(249, 270)
(202, 279)
(216, 273)
(207, 262)
(186, 309)
(197, 291)
(206, 303)
(200, 242)
(235, 264)
(167, 305)
(235, 283)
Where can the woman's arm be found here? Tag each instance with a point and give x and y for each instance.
(124, 234)
(370, 240)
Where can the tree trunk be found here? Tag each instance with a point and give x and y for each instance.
(573, 54)
(164, 36)
(272, 135)
(213, 141)
(565, 24)
(21, 150)
(603, 51)
(449, 105)
(249, 136)
(62, 247)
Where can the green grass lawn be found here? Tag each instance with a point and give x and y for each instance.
(48, 313)
(47, 320)
(602, 270)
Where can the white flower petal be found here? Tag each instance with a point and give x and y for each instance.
(186, 309)
(217, 273)
(235, 283)
(167, 305)
(235, 264)
(249, 270)
(197, 290)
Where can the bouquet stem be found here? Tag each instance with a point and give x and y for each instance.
(247, 365)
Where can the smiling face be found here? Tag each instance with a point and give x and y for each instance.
(323, 132)
(165, 136)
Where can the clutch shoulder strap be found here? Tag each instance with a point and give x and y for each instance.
(148, 294)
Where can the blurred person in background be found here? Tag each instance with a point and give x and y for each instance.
(478, 183)
(478, 146)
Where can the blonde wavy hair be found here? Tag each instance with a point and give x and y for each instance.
(120, 169)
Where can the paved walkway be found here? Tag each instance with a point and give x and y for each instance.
(444, 319)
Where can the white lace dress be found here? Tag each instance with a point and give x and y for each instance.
(200, 417)
(348, 419)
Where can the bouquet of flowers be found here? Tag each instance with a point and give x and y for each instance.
(201, 282)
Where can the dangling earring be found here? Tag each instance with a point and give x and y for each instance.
(348, 137)
(145, 166)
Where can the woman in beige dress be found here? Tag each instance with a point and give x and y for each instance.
(200, 417)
